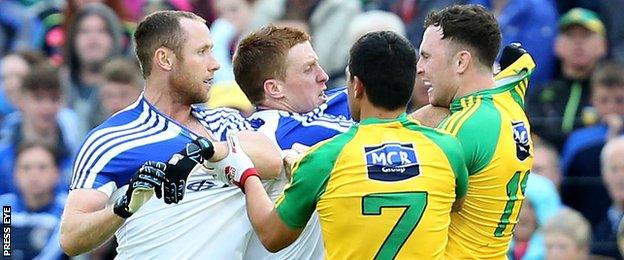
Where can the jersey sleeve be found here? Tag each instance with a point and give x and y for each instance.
(454, 152)
(455, 155)
(478, 136)
(309, 180)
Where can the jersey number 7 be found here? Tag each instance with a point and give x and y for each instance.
(414, 204)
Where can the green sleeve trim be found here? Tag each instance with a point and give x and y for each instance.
(309, 180)
(479, 136)
(453, 150)
(517, 97)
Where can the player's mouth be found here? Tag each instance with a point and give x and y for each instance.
(323, 97)
(208, 82)
(428, 85)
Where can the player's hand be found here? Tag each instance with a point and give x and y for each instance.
(236, 167)
(181, 165)
(291, 156)
(145, 182)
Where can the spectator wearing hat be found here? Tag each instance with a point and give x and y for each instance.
(557, 109)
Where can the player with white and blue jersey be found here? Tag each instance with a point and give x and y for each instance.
(120, 164)
(279, 72)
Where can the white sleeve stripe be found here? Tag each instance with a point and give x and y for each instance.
(105, 134)
(93, 154)
(165, 133)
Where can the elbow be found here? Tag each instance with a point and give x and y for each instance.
(68, 246)
(272, 245)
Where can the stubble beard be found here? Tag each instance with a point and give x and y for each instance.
(185, 90)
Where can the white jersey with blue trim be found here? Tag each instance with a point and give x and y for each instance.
(209, 223)
(286, 129)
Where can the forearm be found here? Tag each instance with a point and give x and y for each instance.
(83, 232)
(264, 154)
(263, 216)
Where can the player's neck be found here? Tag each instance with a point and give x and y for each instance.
(368, 110)
(474, 82)
(166, 102)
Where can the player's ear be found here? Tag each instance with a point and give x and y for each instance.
(358, 88)
(273, 88)
(163, 58)
(464, 58)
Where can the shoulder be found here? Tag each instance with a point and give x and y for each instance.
(480, 114)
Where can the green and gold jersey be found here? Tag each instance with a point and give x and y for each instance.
(494, 133)
(383, 189)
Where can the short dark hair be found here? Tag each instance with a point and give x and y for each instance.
(385, 62)
(42, 76)
(159, 29)
(261, 56)
(470, 25)
(28, 144)
(608, 75)
(123, 71)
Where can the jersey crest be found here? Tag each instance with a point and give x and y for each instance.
(521, 137)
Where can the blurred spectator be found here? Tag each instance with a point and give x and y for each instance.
(412, 13)
(546, 162)
(328, 22)
(58, 24)
(620, 237)
(611, 13)
(605, 232)
(39, 121)
(234, 17)
(541, 204)
(93, 38)
(567, 236)
(36, 206)
(13, 68)
(21, 24)
(532, 23)
(122, 86)
(556, 110)
(581, 153)
(150, 6)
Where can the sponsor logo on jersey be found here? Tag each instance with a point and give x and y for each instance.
(521, 137)
(391, 162)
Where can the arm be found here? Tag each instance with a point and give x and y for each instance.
(431, 116)
(272, 231)
(87, 221)
(263, 153)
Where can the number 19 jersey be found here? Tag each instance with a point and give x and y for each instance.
(384, 189)
(494, 132)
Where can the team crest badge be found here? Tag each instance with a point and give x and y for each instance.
(521, 137)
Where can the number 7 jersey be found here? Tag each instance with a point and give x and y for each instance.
(494, 132)
(383, 190)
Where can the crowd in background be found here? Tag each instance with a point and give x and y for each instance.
(66, 66)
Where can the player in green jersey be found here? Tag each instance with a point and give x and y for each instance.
(385, 188)
(457, 54)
